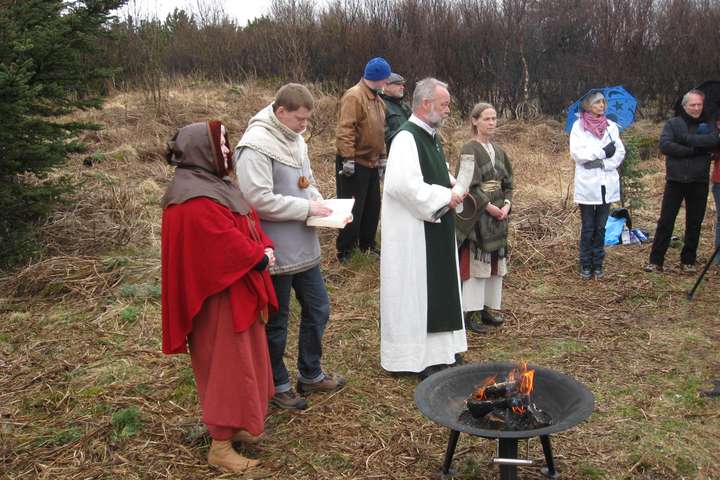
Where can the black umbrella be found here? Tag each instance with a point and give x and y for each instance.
(711, 89)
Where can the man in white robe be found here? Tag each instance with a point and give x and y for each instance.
(421, 330)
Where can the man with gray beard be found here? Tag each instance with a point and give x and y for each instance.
(421, 320)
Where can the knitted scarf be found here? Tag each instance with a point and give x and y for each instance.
(269, 136)
(593, 124)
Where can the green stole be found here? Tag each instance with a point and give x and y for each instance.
(444, 311)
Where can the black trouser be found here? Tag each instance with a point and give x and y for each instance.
(364, 186)
(592, 233)
(695, 196)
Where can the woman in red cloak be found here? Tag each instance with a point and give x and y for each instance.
(216, 290)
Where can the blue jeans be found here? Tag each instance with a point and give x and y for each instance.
(310, 292)
(592, 233)
(716, 195)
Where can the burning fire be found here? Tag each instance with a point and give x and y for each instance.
(526, 378)
(479, 393)
(519, 383)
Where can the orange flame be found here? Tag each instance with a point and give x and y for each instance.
(521, 377)
(526, 380)
(479, 393)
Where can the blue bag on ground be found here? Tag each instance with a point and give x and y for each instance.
(613, 230)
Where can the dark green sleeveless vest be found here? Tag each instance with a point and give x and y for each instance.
(444, 309)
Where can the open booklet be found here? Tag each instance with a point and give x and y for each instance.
(462, 182)
(341, 214)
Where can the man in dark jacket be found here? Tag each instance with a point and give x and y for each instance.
(686, 141)
(397, 111)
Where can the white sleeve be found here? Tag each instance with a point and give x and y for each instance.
(255, 179)
(582, 150)
(404, 180)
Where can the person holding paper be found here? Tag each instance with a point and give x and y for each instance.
(274, 174)
(421, 320)
(482, 224)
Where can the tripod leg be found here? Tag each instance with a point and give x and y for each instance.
(548, 471)
(691, 293)
(452, 443)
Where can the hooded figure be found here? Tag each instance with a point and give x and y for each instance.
(216, 290)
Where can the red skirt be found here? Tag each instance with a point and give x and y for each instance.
(232, 370)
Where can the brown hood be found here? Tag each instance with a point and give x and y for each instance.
(195, 151)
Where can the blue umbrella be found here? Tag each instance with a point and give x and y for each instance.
(620, 109)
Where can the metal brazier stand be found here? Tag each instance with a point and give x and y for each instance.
(441, 397)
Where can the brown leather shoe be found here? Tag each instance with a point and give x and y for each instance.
(223, 456)
(289, 400)
(330, 383)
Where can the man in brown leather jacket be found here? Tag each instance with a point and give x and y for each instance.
(361, 157)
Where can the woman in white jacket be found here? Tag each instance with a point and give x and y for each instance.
(598, 151)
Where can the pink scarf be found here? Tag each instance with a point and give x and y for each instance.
(593, 124)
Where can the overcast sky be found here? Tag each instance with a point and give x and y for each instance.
(242, 10)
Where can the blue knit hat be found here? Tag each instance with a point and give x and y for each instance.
(377, 69)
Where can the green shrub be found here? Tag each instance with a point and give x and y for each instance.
(632, 190)
(125, 423)
(129, 313)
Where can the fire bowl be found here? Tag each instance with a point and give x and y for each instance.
(441, 397)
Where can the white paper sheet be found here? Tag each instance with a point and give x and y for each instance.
(341, 214)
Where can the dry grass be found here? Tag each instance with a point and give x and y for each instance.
(86, 393)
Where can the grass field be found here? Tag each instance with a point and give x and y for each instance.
(85, 392)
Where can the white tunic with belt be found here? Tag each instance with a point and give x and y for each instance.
(483, 289)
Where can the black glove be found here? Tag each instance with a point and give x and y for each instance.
(609, 149)
(262, 264)
(382, 166)
(593, 164)
(348, 167)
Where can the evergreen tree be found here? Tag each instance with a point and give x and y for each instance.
(638, 149)
(50, 65)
